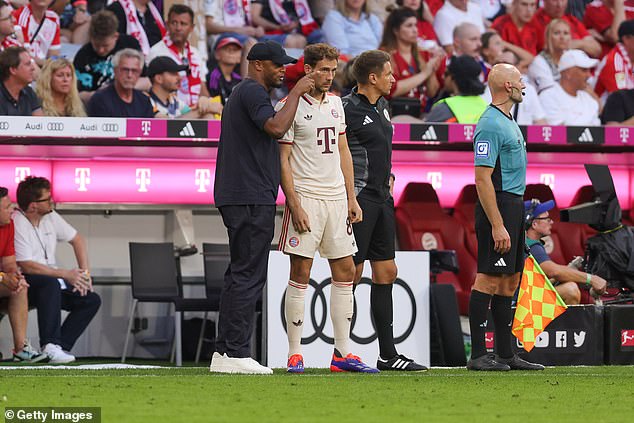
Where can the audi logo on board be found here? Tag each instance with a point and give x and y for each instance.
(318, 320)
(55, 126)
(4, 125)
(110, 127)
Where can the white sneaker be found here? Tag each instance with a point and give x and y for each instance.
(247, 366)
(56, 355)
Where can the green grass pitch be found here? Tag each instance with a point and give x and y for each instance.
(192, 394)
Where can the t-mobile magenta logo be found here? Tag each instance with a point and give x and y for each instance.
(82, 178)
(143, 178)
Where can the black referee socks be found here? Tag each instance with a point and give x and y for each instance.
(382, 312)
(478, 310)
(503, 320)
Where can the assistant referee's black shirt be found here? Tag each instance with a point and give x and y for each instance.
(369, 132)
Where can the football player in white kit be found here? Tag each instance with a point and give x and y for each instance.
(321, 206)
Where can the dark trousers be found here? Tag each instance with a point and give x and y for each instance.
(250, 230)
(50, 299)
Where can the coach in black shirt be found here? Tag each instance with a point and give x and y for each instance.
(245, 190)
(369, 132)
(16, 73)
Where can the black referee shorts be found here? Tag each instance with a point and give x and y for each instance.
(511, 208)
(376, 232)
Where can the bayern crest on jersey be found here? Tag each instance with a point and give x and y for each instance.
(293, 241)
(334, 113)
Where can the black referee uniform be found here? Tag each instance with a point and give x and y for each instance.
(369, 133)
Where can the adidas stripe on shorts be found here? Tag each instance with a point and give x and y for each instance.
(511, 208)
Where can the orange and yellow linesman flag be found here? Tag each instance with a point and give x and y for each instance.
(538, 304)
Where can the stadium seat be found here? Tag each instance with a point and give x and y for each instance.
(155, 277)
(584, 194)
(423, 225)
(567, 240)
(464, 212)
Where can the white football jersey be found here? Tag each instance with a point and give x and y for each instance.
(315, 159)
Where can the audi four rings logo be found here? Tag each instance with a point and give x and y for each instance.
(318, 326)
(55, 126)
(110, 127)
(4, 125)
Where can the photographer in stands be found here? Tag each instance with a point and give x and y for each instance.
(16, 72)
(38, 229)
(565, 279)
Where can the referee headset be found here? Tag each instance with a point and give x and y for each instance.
(528, 215)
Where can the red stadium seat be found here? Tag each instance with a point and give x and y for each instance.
(566, 239)
(422, 225)
(585, 194)
(464, 212)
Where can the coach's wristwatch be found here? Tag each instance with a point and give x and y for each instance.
(2, 277)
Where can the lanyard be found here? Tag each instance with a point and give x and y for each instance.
(37, 235)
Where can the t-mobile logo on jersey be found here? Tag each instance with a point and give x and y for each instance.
(82, 178)
(143, 178)
(21, 173)
(327, 139)
(203, 179)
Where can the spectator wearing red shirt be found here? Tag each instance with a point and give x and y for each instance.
(415, 77)
(427, 39)
(603, 17)
(581, 38)
(434, 5)
(40, 30)
(615, 70)
(515, 28)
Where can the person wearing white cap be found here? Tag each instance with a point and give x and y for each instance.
(570, 102)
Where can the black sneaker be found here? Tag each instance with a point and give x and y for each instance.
(400, 362)
(487, 363)
(516, 363)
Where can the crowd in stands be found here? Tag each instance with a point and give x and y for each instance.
(77, 58)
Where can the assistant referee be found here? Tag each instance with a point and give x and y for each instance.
(500, 177)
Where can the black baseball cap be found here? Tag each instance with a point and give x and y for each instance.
(465, 71)
(164, 64)
(626, 28)
(270, 50)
